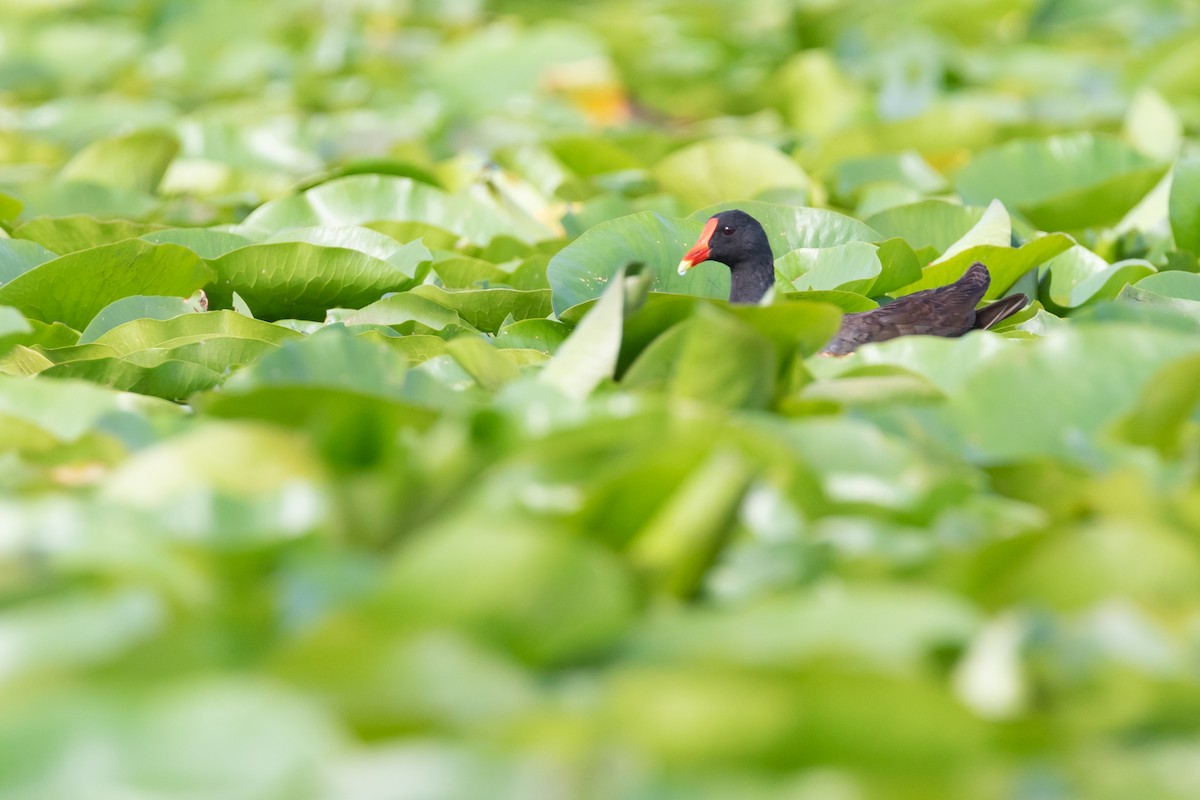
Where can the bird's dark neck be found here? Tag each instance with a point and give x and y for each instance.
(750, 280)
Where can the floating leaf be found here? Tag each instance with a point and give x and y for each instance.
(725, 362)
(487, 309)
(18, 256)
(74, 288)
(1078, 276)
(70, 234)
(1050, 397)
(406, 311)
(363, 199)
(589, 355)
(1165, 406)
(300, 280)
(135, 161)
(1185, 204)
(404, 257)
(13, 328)
(929, 223)
(583, 269)
(1062, 182)
(207, 243)
(1006, 264)
(490, 368)
(720, 169)
(128, 309)
(852, 267)
(10, 208)
(1152, 126)
(677, 546)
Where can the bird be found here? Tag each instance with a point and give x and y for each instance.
(737, 240)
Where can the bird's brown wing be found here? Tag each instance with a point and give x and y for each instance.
(944, 311)
(992, 313)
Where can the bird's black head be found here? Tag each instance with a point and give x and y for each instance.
(733, 238)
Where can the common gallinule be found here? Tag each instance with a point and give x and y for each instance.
(736, 239)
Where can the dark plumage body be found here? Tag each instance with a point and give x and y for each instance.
(737, 240)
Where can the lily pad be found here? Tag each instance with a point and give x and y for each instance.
(716, 170)
(74, 288)
(363, 199)
(1061, 182)
(301, 280)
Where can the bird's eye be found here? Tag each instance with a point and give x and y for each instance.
(728, 231)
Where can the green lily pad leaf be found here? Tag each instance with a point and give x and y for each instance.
(233, 458)
(792, 325)
(681, 541)
(900, 267)
(652, 369)
(1051, 396)
(590, 354)
(408, 313)
(590, 156)
(847, 301)
(1184, 204)
(189, 329)
(1006, 264)
(22, 362)
(791, 228)
(544, 335)
(352, 392)
(716, 170)
(404, 257)
(907, 169)
(433, 236)
(73, 197)
(943, 361)
(300, 280)
(18, 256)
(490, 368)
(128, 309)
(544, 596)
(1152, 126)
(583, 269)
(74, 288)
(10, 208)
(1182, 285)
(171, 358)
(1061, 182)
(725, 362)
(70, 234)
(68, 410)
(1169, 308)
(464, 272)
(375, 166)
(204, 242)
(851, 267)
(14, 328)
(770, 335)
(417, 348)
(1078, 276)
(891, 626)
(365, 199)
(935, 224)
(487, 309)
(135, 161)
(169, 379)
(1166, 405)
(994, 228)
(51, 335)
(331, 357)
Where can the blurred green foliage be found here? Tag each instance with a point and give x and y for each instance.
(358, 439)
